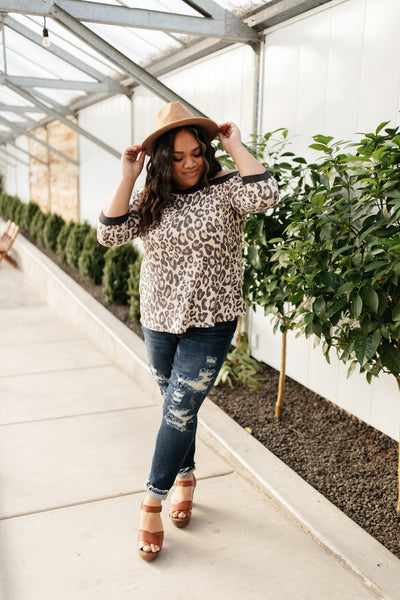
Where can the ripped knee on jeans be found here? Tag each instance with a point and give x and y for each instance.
(160, 379)
(205, 379)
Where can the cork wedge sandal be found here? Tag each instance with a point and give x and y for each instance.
(184, 506)
(146, 538)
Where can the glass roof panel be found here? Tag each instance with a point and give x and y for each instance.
(136, 44)
(69, 59)
(46, 64)
(63, 39)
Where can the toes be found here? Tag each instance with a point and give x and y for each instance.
(178, 515)
(148, 547)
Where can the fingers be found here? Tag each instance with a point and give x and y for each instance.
(133, 153)
(228, 129)
(225, 129)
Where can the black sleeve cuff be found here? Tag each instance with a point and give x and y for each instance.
(255, 178)
(112, 220)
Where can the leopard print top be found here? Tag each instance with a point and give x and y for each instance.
(191, 269)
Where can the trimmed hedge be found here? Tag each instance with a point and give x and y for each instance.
(91, 260)
(117, 269)
(116, 273)
(52, 229)
(75, 242)
(27, 213)
(62, 240)
(37, 226)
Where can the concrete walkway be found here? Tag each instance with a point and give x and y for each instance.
(76, 440)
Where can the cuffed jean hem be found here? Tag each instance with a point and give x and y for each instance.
(156, 493)
(186, 472)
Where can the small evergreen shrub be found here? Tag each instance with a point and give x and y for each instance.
(2, 205)
(27, 213)
(62, 240)
(91, 260)
(52, 228)
(9, 205)
(116, 273)
(37, 225)
(17, 213)
(133, 290)
(75, 243)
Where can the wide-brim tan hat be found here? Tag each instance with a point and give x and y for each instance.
(174, 115)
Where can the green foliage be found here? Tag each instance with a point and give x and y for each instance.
(62, 240)
(37, 225)
(27, 213)
(264, 282)
(9, 206)
(326, 260)
(133, 290)
(335, 269)
(348, 247)
(75, 241)
(52, 228)
(18, 213)
(239, 365)
(116, 273)
(91, 260)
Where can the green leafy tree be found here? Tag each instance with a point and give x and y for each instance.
(344, 242)
(266, 282)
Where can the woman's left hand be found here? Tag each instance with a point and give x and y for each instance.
(229, 136)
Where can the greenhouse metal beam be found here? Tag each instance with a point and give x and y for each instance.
(118, 59)
(21, 131)
(64, 110)
(61, 84)
(7, 163)
(224, 25)
(59, 52)
(28, 153)
(19, 109)
(279, 11)
(62, 119)
(17, 158)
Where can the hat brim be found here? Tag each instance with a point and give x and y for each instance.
(209, 126)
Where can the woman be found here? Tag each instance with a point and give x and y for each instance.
(190, 217)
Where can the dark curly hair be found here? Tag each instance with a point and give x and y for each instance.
(157, 194)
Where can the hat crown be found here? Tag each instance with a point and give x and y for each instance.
(175, 115)
(171, 113)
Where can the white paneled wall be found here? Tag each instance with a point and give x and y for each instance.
(221, 87)
(335, 72)
(15, 169)
(110, 121)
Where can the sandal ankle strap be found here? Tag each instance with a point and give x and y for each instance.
(186, 483)
(150, 509)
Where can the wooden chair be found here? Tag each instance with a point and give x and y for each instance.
(7, 240)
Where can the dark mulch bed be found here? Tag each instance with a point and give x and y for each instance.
(349, 462)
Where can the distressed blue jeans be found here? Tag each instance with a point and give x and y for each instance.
(185, 367)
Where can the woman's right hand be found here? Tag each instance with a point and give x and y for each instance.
(132, 161)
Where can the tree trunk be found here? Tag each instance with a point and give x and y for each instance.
(282, 378)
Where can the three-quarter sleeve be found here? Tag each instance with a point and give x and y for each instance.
(116, 231)
(255, 193)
